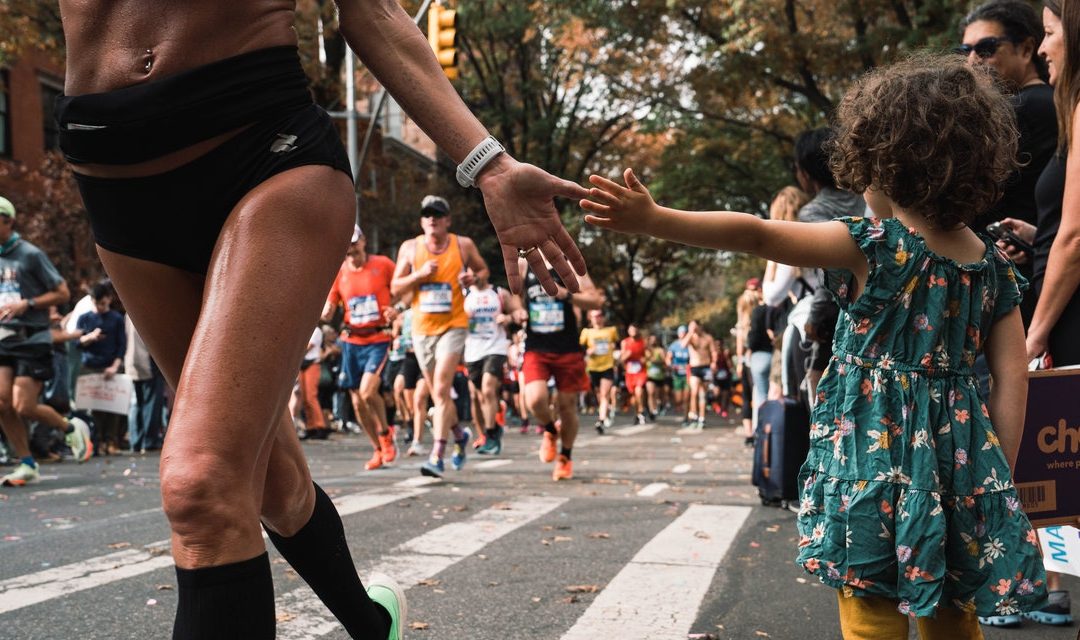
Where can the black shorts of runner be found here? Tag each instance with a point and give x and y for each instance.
(596, 376)
(32, 365)
(410, 370)
(488, 364)
(699, 372)
(389, 373)
(174, 218)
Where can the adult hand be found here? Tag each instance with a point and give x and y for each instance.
(520, 316)
(110, 372)
(467, 278)
(389, 314)
(428, 269)
(1023, 230)
(13, 309)
(520, 199)
(1037, 344)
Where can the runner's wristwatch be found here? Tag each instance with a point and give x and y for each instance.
(478, 158)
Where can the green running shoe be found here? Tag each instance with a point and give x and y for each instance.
(22, 475)
(79, 440)
(388, 594)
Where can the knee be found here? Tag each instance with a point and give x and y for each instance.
(201, 506)
(287, 504)
(369, 393)
(441, 391)
(22, 405)
(7, 405)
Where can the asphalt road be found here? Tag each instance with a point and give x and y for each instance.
(660, 535)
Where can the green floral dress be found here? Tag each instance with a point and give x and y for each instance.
(906, 493)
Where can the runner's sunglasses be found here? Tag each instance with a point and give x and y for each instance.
(984, 48)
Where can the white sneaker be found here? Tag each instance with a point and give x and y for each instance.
(22, 475)
(416, 449)
(79, 440)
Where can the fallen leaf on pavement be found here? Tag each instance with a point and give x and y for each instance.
(151, 602)
(164, 587)
(119, 545)
(535, 599)
(773, 529)
(429, 582)
(702, 535)
(562, 539)
(599, 535)
(762, 634)
(755, 545)
(569, 600)
(285, 617)
(582, 588)
(418, 626)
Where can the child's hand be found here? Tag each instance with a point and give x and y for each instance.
(627, 209)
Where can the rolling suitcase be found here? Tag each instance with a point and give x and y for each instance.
(781, 443)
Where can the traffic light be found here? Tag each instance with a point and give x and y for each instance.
(442, 34)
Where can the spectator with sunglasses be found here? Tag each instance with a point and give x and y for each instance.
(1005, 35)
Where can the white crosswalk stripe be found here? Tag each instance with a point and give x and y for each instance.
(415, 560)
(31, 589)
(677, 565)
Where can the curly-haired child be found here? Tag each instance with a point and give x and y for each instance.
(907, 499)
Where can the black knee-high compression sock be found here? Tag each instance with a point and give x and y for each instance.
(226, 602)
(319, 553)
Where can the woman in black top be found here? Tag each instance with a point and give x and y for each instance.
(1056, 237)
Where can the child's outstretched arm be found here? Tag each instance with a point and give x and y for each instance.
(1006, 355)
(631, 209)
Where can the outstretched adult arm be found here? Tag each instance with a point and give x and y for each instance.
(519, 197)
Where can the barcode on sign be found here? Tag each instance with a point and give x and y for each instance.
(1038, 496)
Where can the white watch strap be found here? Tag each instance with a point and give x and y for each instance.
(477, 159)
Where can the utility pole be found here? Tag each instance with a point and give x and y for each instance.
(356, 160)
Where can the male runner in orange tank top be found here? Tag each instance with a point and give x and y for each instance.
(437, 268)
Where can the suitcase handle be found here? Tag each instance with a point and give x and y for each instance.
(766, 467)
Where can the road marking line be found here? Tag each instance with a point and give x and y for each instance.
(33, 588)
(493, 464)
(422, 557)
(681, 468)
(633, 431)
(67, 491)
(678, 563)
(653, 489)
(417, 481)
(605, 439)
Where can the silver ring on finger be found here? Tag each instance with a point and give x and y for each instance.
(524, 253)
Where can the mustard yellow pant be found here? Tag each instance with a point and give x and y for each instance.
(875, 618)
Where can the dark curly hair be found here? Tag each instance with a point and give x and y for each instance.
(931, 133)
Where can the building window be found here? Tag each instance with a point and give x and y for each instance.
(50, 90)
(5, 116)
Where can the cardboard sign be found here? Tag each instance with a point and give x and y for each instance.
(1048, 464)
(1061, 549)
(94, 393)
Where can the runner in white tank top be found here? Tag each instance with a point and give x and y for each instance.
(490, 310)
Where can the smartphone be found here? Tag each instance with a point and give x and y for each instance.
(1001, 232)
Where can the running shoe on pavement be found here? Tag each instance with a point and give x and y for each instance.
(641, 418)
(22, 475)
(457, 459)
(389, 450)
(564, 469)
(388, 594)
(78, 439)
(548, 447)
(492, 447)
(481, 440)
(375, 462)
(415, 449)
(1056, 613)
(599, 427)
(433, 468)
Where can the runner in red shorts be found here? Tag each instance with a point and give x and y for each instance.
(632, 350)
(552, 350)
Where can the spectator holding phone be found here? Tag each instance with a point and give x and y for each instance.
(1056, 234)
(1005, 35)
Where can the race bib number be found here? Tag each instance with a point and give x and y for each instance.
(655, 371)
(436, 297)
(721, 375)
(483, 326)
(363, 310)
(601, 348)
(10, 292)
(633, 367)
(546, 317)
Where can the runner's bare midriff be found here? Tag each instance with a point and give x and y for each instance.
(119, 43)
